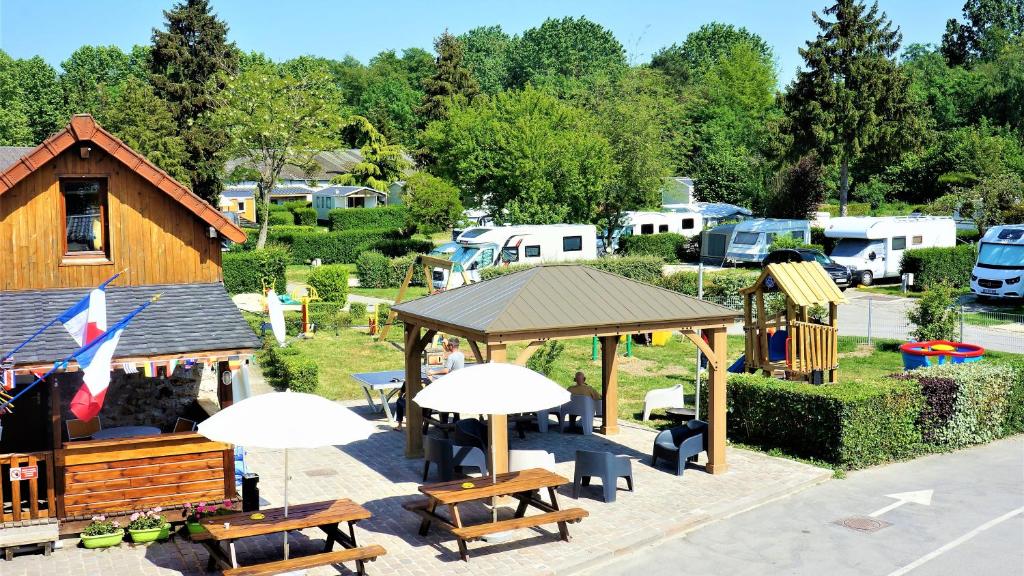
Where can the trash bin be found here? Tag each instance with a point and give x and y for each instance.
(250, 492)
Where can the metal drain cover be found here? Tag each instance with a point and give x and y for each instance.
(322, 472)
(863, 523)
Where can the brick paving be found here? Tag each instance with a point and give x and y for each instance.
(375, 473)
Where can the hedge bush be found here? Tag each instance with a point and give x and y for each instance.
(382, 311)
(932, 266)
(357, 312)
(641, 268)
(1014, 422)
(375, 270)
(852, 425)
(281, 218)
(336, 247)
(248, 271)
(305, 216)
(289, 369)
(669, 247)
(852, 209)
(356, 218)
(395, 247)
(330, 282)
(818, 238)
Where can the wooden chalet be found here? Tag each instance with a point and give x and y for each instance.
(74, 211)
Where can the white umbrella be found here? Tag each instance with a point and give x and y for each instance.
(492, 388)
(286, 420)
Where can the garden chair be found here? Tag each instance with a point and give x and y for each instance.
(79, 429)
(470, 432)
(606, 466)
(184, 425)
(525, 459)
(447, 456)
(681, 444)
(577, 406)
(664, 398)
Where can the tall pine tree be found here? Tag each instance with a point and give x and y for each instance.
(190, 65)
(451, 82)
(852, 96)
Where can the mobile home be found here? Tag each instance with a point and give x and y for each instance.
(331, 197)
(643, 223)
(873, 246)
(484, 247)
(1000, 265)
(751, 239)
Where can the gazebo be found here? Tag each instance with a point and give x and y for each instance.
(558, 302)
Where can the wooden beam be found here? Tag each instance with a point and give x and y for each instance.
(57, 421)
(413, 384)
(716, 403)
(609, 385)
(226, 397)
(527, 352)
(476, 351)
(383, 334)
(702, 346)
(498, 429)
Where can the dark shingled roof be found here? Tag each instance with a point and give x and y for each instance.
(11, 154)
(559, 297)
(188, 318)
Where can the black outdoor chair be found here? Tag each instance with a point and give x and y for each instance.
(606, 466)
(470, 432)
(681, 444)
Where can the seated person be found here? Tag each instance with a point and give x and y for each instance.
(456, 360)
(581, 388)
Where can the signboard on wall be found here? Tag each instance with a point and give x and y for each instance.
(24, 473)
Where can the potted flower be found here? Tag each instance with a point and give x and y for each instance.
(194, 513)
(148, 526)
(102, 533)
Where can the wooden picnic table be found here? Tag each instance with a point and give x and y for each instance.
(327, 516)
(524, 486)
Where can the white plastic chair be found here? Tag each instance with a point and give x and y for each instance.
(526, 459)
(664, 398)
(471, 457)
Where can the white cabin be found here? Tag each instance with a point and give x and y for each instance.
(873, 246)
(1000, 265)
(331, 197)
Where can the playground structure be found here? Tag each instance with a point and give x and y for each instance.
(428, 263)
(932, 352)
(792, 341)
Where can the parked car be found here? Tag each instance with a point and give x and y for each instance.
(841, 275)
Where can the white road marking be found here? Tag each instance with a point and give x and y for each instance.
(922, 497)
(949, 546)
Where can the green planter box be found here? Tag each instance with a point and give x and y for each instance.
(150, 535)
(195, 528)
(103, 540)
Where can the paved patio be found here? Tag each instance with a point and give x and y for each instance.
(375, 473)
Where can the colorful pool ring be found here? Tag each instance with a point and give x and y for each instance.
(932, 352)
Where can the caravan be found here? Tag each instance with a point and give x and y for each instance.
(643, 223)
(873, 246)
(1000, 265)
(483, 247)
(751, 239)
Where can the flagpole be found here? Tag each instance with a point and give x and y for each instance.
(54, 321)
(64, 363)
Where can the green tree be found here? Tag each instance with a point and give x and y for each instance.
(989, 26)
(487, 56)
(951, 96)
(703, 49)
(798, 191)
(564, 51)
(392, 92)
(190, 64)
(381, 163)
(852, 96)
(274, 119)
(451, 84)
(15, 128)
(89, 73)
(431, 203)
(525, 155)
(935, 316)
(41, 97)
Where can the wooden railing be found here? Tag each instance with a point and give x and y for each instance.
(32, 496)
(813, 347)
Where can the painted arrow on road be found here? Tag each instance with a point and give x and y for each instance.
(922, 497)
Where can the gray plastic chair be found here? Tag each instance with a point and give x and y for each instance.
(681, 444)
(580, 406)
(606, 466)
(447, 456)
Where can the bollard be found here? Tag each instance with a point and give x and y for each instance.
(593, 351)
(870, 300)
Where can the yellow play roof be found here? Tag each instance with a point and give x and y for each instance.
(806, 283)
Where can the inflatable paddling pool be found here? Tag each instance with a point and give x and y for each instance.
(932, 352)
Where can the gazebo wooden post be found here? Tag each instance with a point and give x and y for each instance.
(413, 384)
(609, 385)
(498, 429)
(716, 401)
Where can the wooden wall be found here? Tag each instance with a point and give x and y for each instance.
(157, 239)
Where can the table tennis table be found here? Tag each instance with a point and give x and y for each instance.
(386, 385)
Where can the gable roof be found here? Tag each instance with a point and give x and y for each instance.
(84, 129)
(806, 283)
(249, 190)
(327, 165)
(345, 191)
(559, 300)
(188, 318)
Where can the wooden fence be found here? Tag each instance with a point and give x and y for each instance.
(26, 486)
(816, 347)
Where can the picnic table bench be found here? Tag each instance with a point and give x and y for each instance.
(524, 486)
(327, 516)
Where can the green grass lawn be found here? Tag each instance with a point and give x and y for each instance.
(390, 293)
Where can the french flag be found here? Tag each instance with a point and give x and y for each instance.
(95, 364)
(87, 319)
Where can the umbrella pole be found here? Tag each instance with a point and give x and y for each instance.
(494, 474)
(285, 501)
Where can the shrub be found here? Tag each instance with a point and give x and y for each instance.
(375, 270)
(935, 316)
(357, 312)
(249, 271)
(818, 238)
(396, 247)
(669, 247)
(336, 247)
(431, 204)
(968, 235)
(783, 242)
(329, 315)
(543, 360)
(305, 216)
(294, 205)
(392, 217)
(849, 424)
(723, 286)
(684, 282)
(1014, 422)
(281, 217)
(641, 268)
(289, 369)
(852, 209)
(382, 312)
(330, 282)
(932, 266)
(495, 271)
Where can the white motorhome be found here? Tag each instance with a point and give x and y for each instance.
(484, 247)
(872, 246)
(751, 239)
(642, 223)
(1000, 266)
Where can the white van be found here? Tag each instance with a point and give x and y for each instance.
(872, 246)
(751, 239)
(484, 247)
(643, 223)
(1000, 265)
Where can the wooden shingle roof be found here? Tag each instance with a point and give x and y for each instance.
(84, 129)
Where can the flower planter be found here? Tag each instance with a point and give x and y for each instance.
(150, 535)
(103, 540)
(195, 528)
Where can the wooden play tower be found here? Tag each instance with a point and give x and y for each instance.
(792, 340)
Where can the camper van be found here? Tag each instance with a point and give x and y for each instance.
(1000, 266)
(873, 246)
(642, 223)
(483, 247)
(751, 239)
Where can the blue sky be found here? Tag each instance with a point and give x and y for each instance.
(286, 28)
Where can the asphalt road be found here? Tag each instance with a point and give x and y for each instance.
(973, 525)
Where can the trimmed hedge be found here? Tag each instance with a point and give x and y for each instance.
(932, 266)
(247, 271)
(851, 425)
(818, 238)
(721, 286)
(357, 313)
(289, 369)
(396, 247)
(375, 270)
(330, 282)
(642, 268)
(667, 246)
(305, 216)
(281, 218)
(852, 209)
(355, 218)
(335, 247)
